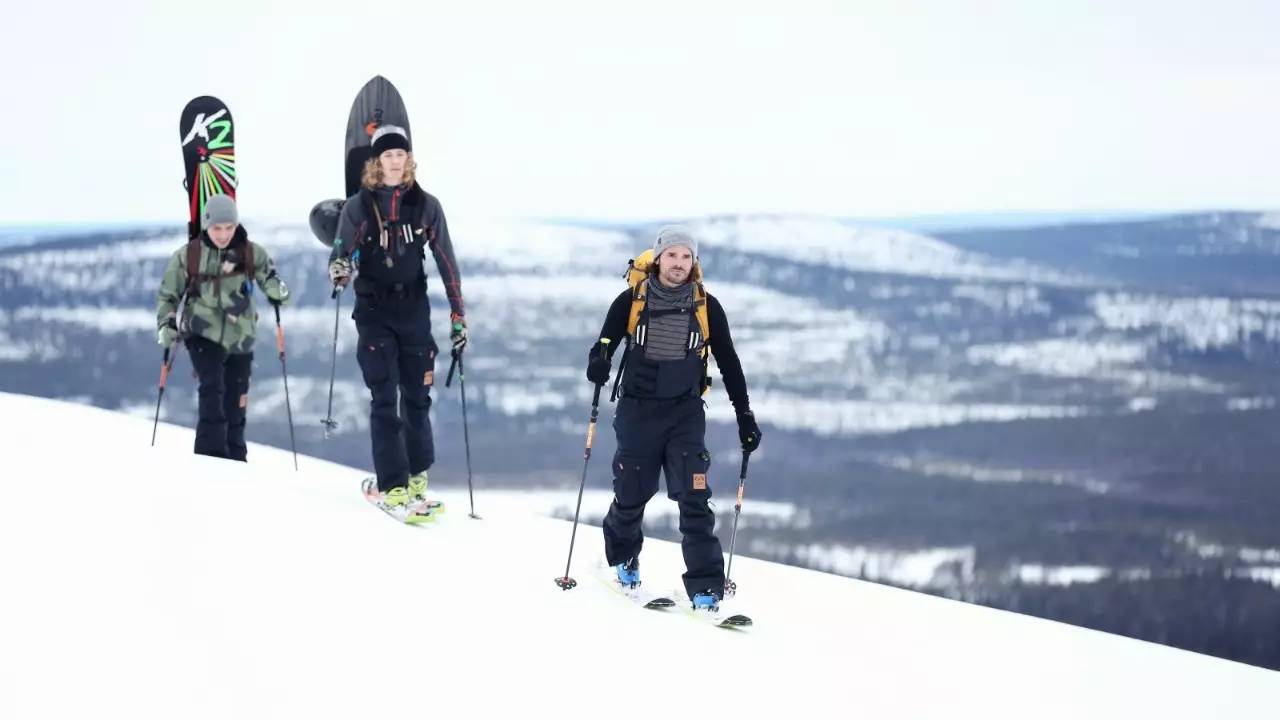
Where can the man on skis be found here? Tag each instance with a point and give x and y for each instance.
(215, 272)
(660, 422)
(384, 233)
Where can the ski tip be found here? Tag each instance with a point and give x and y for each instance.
(736, 621)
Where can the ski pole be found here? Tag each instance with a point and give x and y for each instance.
(285, 372)
(466, 437)
(166, 366)
(328, 422)
(731, 587)
(170, 357)
(566, 582)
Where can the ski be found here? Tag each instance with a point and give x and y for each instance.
(637, 595)
(718, 618)
(419, 513)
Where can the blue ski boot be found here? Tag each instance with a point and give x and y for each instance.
(628, 573)
(706, 601)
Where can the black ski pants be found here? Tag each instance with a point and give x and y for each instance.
(223, 398)
(397, 357)
(667, 436)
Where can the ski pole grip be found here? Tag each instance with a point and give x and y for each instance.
(745, 457)
(595, 401)
(452, 366)
(164, 368)
(279, 331)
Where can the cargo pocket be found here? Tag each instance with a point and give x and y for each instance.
(626, 476)
(418, 365)
(697, 464)
(634, 480)
(375, 363)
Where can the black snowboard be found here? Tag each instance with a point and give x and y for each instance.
(378, 103)
(209, 154)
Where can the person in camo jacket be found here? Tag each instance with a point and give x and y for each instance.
(215, 273)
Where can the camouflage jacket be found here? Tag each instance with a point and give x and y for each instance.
(222, 308)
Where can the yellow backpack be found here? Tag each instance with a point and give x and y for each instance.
(637, 277)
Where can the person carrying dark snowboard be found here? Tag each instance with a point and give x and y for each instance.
(670, 323)
(384, 233)
(215, 273)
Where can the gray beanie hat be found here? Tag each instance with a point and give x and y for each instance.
(217, 210)
(673, 235)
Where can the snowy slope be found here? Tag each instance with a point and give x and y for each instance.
(865, 249)
(152, 582)
(930, 334)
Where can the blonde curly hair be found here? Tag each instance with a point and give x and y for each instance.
(372, 176)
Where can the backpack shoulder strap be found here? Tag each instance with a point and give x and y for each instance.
(193, 264)
(700, 311)
(638, 295)
(249, 270)
(704, 324)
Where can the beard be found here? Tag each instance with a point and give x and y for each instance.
(675, 277)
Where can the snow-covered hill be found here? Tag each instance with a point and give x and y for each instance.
(147, 582)
(896, 330)
(832, 243)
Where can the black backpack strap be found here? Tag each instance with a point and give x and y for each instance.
(622, 365)
(249, 270)
(193, 265)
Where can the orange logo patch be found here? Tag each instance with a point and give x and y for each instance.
(699, 481)
(244, 400)
(428, 377)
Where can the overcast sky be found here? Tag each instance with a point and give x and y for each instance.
(842, 108)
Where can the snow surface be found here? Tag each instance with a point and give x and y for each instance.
(1201, 323)
(153, 583)
(1060, 575)
(866, 249)
(829, 416)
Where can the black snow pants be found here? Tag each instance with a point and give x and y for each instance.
(666, 435)
(223, 398)
(397, 357)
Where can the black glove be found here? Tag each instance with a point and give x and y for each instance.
(748, 431)
(599, 364)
